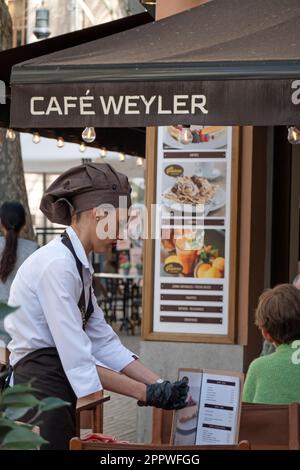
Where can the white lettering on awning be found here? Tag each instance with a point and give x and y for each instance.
(54, 106)
(85, 105)
(131, 102)
(160, 109)
(198, 102)
(33, 111)
(123, 105)
(148, 103)
(111, 103)
(68, 105)
(178, 103)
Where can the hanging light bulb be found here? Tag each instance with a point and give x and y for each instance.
(60, 142)
(82, 147)
(36, 138)
(122, 157)
(294, 135)
(10, 135)
(103, 153)
(139, 161)
(89, 135)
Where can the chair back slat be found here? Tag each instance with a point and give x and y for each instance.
(264, 426)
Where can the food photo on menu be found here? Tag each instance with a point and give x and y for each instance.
(186, 419)
(192, 253)
(191, 187)
(194, 137)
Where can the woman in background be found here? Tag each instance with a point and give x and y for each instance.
(13, 249)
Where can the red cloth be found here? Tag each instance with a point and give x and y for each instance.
(104, 438)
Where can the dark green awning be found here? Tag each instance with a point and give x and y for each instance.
(225, 62)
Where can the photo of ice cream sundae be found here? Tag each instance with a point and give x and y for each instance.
(193, 137)
(186, 419)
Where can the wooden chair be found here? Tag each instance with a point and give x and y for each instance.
(90, 415)
(78, 444)
(263, 426)
(271, 426)
(161, 426)
(4, 356)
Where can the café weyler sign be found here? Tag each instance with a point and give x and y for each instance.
(226, 102)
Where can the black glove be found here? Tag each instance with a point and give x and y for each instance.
(167, 395)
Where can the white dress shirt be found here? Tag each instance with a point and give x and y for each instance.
(47, 289)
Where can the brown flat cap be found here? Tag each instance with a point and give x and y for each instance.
(81, 188)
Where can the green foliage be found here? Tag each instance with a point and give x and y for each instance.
(15, 403)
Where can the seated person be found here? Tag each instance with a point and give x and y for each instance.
(269, 348)
(275, 378)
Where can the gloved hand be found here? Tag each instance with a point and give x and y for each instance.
(167, 395)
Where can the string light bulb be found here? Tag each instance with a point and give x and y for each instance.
(36, 138)
(89, 135)
(82, 147)
(103, 153)
(10, 135)
(294, 135)
(139, 161)
(60, 142)
(122, 157)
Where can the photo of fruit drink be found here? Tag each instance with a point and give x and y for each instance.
(187, 249)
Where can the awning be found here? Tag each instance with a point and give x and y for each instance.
(132, 141)
(225, 62)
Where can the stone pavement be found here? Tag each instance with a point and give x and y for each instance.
(120, 413)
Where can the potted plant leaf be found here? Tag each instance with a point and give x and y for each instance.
(15, 402)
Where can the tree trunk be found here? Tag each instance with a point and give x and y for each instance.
(12, 181)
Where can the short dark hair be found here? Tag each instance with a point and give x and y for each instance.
(279, 312)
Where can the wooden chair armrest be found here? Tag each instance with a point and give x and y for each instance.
(93, 403)
(4, 355)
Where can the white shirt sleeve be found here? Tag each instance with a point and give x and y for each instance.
(57, 291)
(106, 345)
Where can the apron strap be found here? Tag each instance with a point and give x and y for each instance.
(85, 312)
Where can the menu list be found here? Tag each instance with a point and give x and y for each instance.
(192, 247)
(211, 416)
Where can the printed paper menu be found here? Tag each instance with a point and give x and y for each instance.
(192, 246)
(211, 416)
(219, 410)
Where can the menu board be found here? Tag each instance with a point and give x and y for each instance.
(192, 243)
(211, 416)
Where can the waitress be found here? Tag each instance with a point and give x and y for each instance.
(59, 334)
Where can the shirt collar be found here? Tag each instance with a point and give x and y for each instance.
(79, 250)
